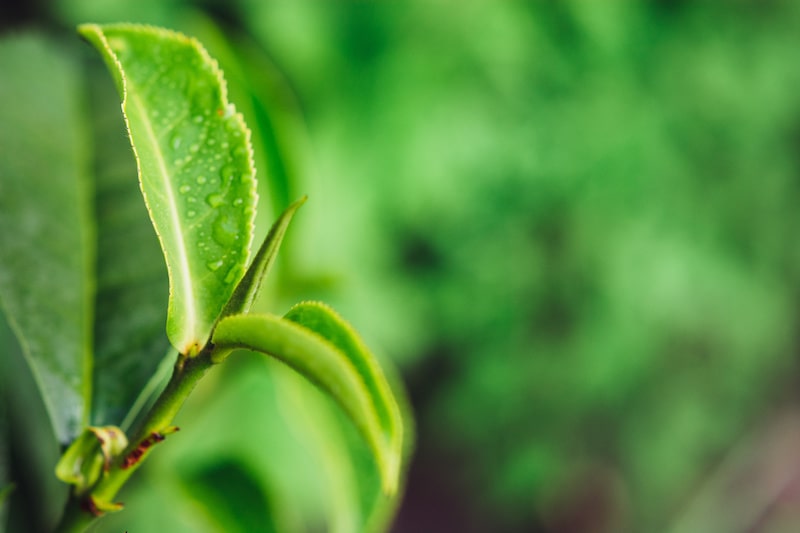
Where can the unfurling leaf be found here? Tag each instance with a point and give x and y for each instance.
(246, 292)
(195, 167)
(89, 456)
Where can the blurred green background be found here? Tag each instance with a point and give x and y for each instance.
(571, 224)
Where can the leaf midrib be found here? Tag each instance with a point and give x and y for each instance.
(182, 255)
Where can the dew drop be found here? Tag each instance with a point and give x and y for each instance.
(191, 213)
(201, 180)
(176, 142)
(225, 230)
(184, 189)
(194, 148)
(227, 173)
(215, 200)
(238, 201)
(198, 119)
(232, 275)
(214, 265)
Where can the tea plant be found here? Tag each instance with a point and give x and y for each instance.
(197, 177)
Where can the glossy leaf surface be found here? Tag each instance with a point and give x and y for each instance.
(195, 167)
(46, 237)
(334, 359)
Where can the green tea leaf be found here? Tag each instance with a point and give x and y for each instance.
(46, 244)
(333, 358)
(246, 292)
(195, 167)
(348, 476)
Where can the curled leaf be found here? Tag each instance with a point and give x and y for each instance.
(323, 348)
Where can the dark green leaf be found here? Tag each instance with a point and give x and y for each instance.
(237, 498)
(46, 234)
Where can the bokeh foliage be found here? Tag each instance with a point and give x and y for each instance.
(571, 223)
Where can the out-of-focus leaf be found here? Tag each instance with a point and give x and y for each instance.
(325, 322)
(46, 246)
(325, 350)
(5, 492)
(32, 447)
(6, 486)
(5, 474)
(195, 167)
(130, 268)
(237, 498)
(349, 477)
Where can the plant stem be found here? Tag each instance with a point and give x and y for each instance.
(187, 372)
(75, 519)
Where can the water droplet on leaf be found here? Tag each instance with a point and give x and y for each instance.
(227, 173)
(225, 230)
(215, 200)
(214, 265)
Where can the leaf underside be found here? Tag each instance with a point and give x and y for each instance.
(334, 359)
(195, 167)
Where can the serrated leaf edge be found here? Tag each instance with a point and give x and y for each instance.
(184, 346)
